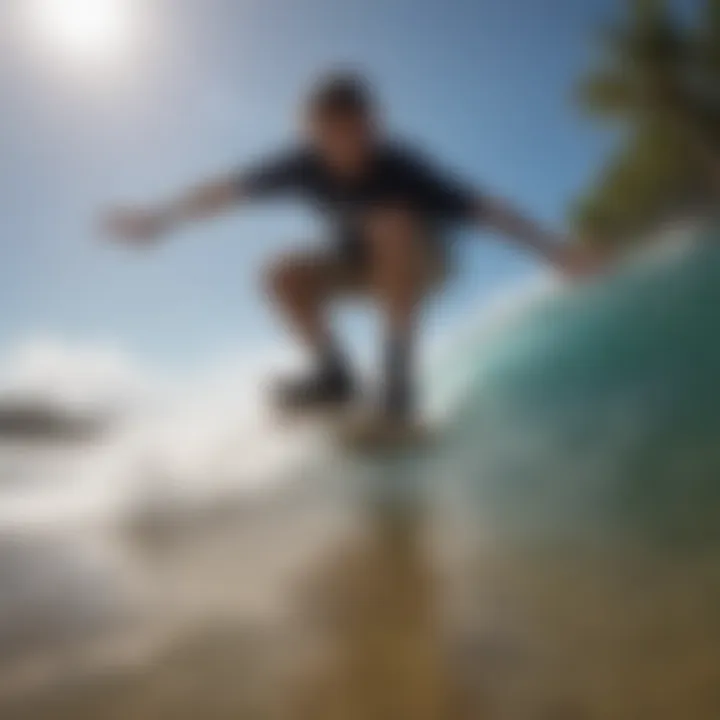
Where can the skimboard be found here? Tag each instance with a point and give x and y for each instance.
(357, 430)
(376, 436)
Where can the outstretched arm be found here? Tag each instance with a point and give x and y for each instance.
(144, 225)
(568, 257)
(456, 198)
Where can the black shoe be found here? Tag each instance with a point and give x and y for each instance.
(321, 391)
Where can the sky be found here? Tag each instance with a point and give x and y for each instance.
(197, 87)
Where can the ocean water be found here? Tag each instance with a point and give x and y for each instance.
(602, 406)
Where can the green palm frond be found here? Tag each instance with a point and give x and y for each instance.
(606, 94)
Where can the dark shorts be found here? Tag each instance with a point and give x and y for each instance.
(354, 260)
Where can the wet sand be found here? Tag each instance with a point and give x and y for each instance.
(356, 599)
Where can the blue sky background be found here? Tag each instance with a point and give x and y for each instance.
(485, 84)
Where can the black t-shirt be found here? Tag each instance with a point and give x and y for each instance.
(396, 177)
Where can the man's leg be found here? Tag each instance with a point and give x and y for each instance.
(403, 268)
(302, 285)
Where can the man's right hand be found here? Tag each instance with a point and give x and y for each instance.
(136, 227)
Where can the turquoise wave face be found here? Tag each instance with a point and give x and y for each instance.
(603, 405)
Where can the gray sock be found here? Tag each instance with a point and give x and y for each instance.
(398, 399)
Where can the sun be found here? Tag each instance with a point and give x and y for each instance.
(86, 30)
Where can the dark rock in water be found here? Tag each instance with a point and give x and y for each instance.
(38, 422)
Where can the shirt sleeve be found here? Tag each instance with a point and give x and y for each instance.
(442, 193)
(273, 176)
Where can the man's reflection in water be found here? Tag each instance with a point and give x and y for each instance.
(379, 603)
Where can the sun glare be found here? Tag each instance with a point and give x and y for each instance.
(88, 30)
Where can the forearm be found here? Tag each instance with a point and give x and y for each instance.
(202, 202)
(520, 229)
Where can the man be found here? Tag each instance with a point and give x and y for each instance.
(388, 209)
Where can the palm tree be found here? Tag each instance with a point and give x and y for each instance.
(660, 80)
(649, 176)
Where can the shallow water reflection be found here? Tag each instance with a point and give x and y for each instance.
(378, 595)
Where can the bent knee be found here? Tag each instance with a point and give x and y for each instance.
(401, 242)
(280, 279)
(395, 234)
(292, 278)
(394, 225)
